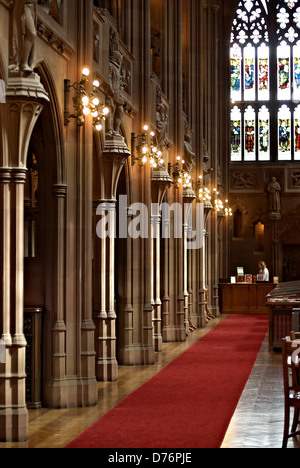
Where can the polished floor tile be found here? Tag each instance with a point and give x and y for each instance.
(259, 418)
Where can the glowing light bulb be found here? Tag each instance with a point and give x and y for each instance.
(99, 127)
(96, 101)
(85, 101)
(85, 72)
(96, 83)
(86, 111)
(105, 111)
(95, 114)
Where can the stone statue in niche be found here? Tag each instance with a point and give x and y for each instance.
(189, 155)
(114, 96)
(207, 169)
(22, 36)
(274, 200)
(96, 35)
(162, 120)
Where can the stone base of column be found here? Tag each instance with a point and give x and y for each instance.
(107, 370)
(13, 410)
(74, 392)
(13, 425)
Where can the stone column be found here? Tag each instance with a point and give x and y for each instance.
(161, 181)
(114, 156)
(215, 152)
(55, 388)
(24, 103)
(188, 198)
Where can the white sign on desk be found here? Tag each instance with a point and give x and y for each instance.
(2, 352)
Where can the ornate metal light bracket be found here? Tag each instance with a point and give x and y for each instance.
(84, 103)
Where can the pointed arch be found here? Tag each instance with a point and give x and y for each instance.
(52, 125)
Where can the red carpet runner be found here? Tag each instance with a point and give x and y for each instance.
(190, 403)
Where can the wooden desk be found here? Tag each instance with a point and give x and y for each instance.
(245, 298)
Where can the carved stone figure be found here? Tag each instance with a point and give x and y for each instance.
(162, 120)
(114, 97)
(207, 169)
(274, 206)
(23, 35)
(296, 179)
(189, 155)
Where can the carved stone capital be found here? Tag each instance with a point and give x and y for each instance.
(25, 99)
(114, 157)
(161, 182)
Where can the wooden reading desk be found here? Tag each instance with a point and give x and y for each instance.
(244, 298)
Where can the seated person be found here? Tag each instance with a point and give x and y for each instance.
(263, 270)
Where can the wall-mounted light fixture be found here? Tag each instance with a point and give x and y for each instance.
(180, 176)
(85, 103)
(147, 150)
(228, 210)
(217, 202)
(204, 193)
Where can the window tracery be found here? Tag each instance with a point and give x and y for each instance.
(265, 81)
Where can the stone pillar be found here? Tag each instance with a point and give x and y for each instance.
(24, 103)
(215, 152)
(161, 181)
(55, 388)
(188, 198)
(114, 156)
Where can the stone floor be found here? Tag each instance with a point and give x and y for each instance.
(259, 417)
(257, 423)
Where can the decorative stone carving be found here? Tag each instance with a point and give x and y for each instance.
(162, 120)
(189, 155)
(244, 180)
(23, 35)
(52, 8)
(207, 169)
(126, 76)
(114, 97)
(96, 34)
(296, 179)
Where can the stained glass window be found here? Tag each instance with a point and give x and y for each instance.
(297, 132)
(236, 124)
(284, 133)
(249, 138)
(235, 66)
(265, 81)
(264, 134)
